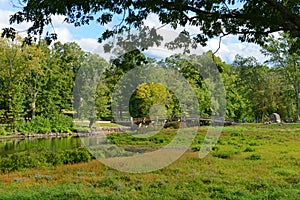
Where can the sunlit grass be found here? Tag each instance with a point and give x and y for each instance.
(248, 162)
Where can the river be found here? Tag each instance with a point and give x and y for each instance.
(12, 145)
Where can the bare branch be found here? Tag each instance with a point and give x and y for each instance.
(220, 40)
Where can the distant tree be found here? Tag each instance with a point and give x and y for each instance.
(282, 56)
(89, 98)
(191, 73)
(118, 68)
(259, 85)
(148, 95)
(61, 66)
(12, 67)
(20, 66)
(236, 108)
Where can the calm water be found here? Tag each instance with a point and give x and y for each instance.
(55, 144)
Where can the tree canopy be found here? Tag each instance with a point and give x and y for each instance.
(252, 20)
(42, 81)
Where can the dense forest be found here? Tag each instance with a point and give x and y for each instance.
(38, 81)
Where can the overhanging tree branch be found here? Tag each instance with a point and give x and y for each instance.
(285, 12)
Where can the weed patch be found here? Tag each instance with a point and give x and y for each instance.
(254, 157)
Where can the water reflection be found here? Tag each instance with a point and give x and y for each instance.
(8, 146)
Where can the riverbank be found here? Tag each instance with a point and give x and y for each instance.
(46, 135)
(82, 130)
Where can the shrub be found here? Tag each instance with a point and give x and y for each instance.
(2, 130)
(224, 154)
(38, 124)
(17, 161)
(249, 149)
(174, 125)
(196, 148)
(254, 157)
(76, 156)
(27, 160)
(58, 123)
(61, 123)
(53, 158)
(24, 128)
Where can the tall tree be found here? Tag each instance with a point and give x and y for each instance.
(281, 54)
(12, 67)
(236, 108)
(20, 66)
(148, 95)
(62, 64)
(33, 59)
(259, 86)
(191, 73)
(118, 68)
(89, 93)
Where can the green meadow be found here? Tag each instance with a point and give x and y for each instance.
(249, 161)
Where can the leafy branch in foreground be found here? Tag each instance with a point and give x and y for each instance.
(253, 20)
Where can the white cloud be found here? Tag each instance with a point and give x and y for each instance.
(152, 21)
(4, 18)
(64, 35)
(230, 47)
(59, 20)
(100, 51)
(158, 53)
(88, 44)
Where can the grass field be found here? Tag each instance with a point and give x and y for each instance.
(250, 161)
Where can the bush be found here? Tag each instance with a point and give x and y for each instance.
(224, 154)
(249, 149)
(18, 161)
(38, 124)
(25, 128)
(174, 125)
(196, 148)
(76, 156)
(61, 123)
(58, 123)
(40, 158)
(2, 130)
(254, 157)
(53, 158)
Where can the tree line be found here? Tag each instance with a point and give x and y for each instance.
(37, 80)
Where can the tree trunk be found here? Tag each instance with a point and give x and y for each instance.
(298, 111)
(297, 100)
(298, 105)
(121, 112)
(262, 117)
(33, 105)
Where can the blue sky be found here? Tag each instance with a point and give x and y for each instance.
(86, 37)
